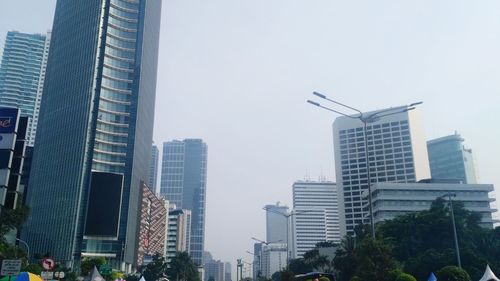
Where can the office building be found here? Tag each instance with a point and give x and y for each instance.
(277, 224)
(257, 261)
(152, 227)
(273, 259)
(214, 269)
(393, 199)
(183, 182)
(315, 215)
(178, 231)
(94, 136)
(397, 152)
(449, 159)
(153, 168)
(22, 75)
(227, 271)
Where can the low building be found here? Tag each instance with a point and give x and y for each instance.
(394, 199)
(179, 232)
(152, 226)
(273, 259)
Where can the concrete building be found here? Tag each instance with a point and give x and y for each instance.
(214, 269)
(93, 141)
(449, 159)
(183, 182)
(257, 261)
(393, 199)
(153, 226)
(178, 231)
(153, 168)
(316, 217)
(227, 271)
(397, 152)
(277, 224)
(22, 75)
(273, 259)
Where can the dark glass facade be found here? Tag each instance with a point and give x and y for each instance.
(96, 119)
(183, 182)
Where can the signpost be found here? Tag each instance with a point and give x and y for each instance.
(48, 264)
(11, 267)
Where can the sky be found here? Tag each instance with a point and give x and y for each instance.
(237, 74)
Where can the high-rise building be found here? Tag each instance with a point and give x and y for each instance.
(153, 168)
(183, 182)
(449, 159)
(227, 271)
(178, 231)
(397, 152)
(273, 259)
(214, 270)
(22, 74)
(394, 199)
(93, 141)
(277, 227)
(257, 261)
(316, 217)
(153, 226)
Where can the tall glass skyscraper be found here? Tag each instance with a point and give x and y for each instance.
(153, 168)
(449, 159)
(184, 182)
(95, 131)
(22, 74)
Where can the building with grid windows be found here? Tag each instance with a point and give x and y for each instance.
(183, 183)
(449, 159)
(393, 199)
(178, 231)
(95, 130)
(397, 152)
(22, 74)
(315, 215)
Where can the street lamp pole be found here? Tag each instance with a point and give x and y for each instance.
(27, 248)
(457, 250)
(365, 119)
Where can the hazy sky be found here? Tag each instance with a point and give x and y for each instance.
(237, 74)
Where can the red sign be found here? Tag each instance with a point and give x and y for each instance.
(48, 264)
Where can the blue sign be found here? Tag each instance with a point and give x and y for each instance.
(8, 120)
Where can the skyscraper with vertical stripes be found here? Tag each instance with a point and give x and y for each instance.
(184, 183)
(94, 137)
(22, 75)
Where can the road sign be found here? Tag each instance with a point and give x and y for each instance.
(11, 267)
(59, 274)
(48, 264)
(46, 275)
(105, 269)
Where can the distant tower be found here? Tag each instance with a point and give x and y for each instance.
(316, 216)
(397, 153)
(449, 159)
(22, 75)
(276, 223)
(153, 168)
(183, 182)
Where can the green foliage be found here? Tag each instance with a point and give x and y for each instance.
(374, 260)
(452, 273)
(182, 267)
(33, 268)
(393, 274)
(11, 219)
(156, 269)
(132, 277)
(405, 277)
(355, 278)
(88, 264)
(299, 266)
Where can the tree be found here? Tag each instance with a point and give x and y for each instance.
(374, 260)
(88, 264)
(299, 266)
(156, 269)
(344, 261)
(183, 268)
(405, 277)
(11, 219)
(452, 273)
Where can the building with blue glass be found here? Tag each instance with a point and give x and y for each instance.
(183, 183)
(153, 168)
(449, 159)
(93, 142)
(22, 75)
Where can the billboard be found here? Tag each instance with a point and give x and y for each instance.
(8, 120)
(104, 204)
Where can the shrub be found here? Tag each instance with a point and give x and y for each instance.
(405, 277)
(452, 273)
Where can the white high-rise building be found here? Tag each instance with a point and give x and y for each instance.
(273, 259)
(277, 223)
(397, 153)
(316, 217)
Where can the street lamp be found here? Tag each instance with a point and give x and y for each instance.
(27, 248)
(457, 250)
(365, 119)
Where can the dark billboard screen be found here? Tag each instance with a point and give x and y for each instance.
(103, 211)
(8, 120)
